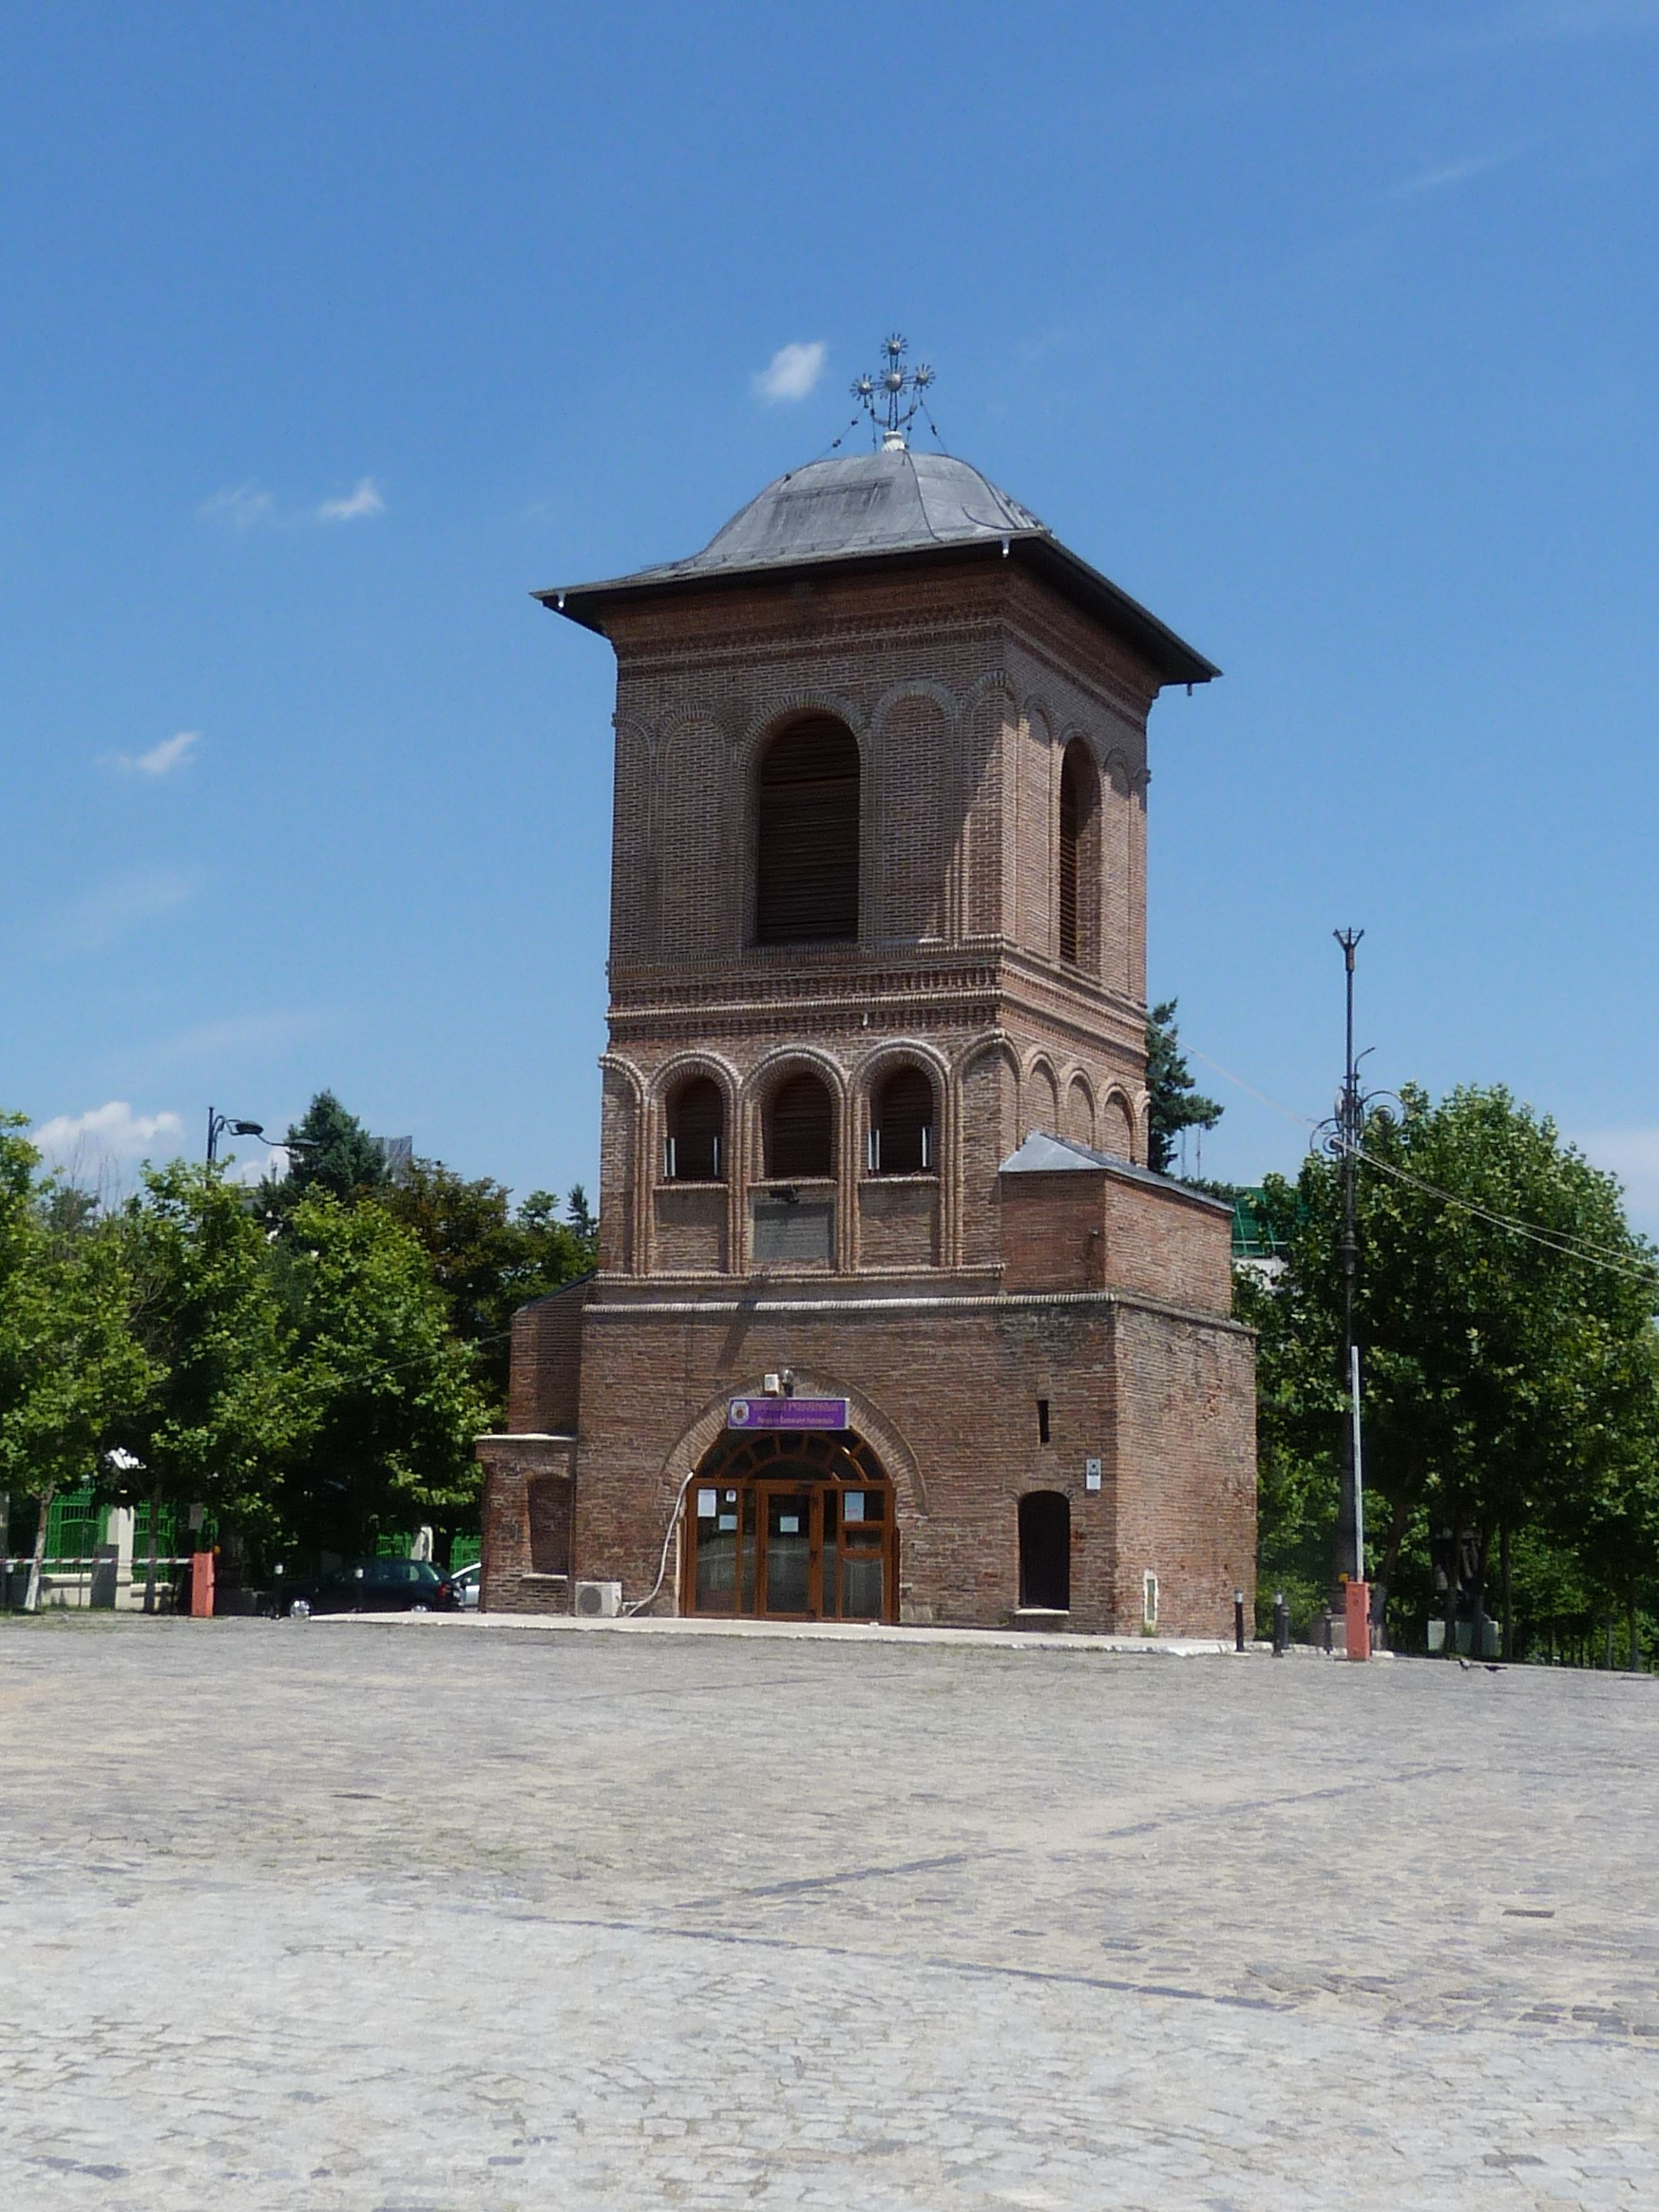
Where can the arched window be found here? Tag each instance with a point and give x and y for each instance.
(1045, 1552)
(1073, 810)
(800, 1131)
(694, 1150)
(901, 1125)
(807, 835)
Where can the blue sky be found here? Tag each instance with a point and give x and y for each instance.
(326, 334)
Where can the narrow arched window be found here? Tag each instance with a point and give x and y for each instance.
(800, 1131)
(695, 1149)
(901, 1125)
(807, 835)
(1073, 800)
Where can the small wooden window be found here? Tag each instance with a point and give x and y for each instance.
(807, 835)
(800, 1131)
(901, 1134)
(694, 1150)
(1072, 806)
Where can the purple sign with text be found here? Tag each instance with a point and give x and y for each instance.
(786, 1413)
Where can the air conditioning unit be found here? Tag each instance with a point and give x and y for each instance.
(599, 1601)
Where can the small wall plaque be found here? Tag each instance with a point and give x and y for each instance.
(1091, 1474)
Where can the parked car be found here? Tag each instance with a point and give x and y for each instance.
(370, 1586)
(467, 1581)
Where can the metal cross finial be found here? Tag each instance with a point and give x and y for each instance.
(885, 395)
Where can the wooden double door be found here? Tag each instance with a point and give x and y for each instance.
(784, 1536)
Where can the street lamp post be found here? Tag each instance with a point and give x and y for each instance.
(217, 1126)
(1353, 1593)
(1350, 1542)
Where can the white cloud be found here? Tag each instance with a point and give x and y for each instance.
(356, 506)
(793, 371)
(110, 910)
(96, 1145)
(240, 506)
(161, 759)
(1633, 1155)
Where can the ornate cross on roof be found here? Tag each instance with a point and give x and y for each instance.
(886, 394)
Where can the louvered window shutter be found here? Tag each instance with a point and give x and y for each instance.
(1070, 823)
(697, 1123)
(800, 1132)
(807, 888)
(904, 1125)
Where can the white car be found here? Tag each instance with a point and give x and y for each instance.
(465, 1581)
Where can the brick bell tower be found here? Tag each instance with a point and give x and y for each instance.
(891, 1321)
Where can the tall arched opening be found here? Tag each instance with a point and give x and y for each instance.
(790, 1527)
(1077, 892)
(1045, 1552)
(806, 842)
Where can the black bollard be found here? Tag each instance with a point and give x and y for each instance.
(1238, 1634)
(1324, 1637)
(1281, 1625)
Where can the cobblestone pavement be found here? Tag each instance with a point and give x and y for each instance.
(400, 1917)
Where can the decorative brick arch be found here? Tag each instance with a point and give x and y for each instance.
(873, 1066)
(622, 1137)
(1118, 1124)
(1040, 1097)
(792, 1060)
(1079, 1112)
(684, 1068)
(885, 1438)
(1079, 870)
(794, 711)
(914, 726)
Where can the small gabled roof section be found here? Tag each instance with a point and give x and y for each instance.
(1043, 1155)
(893, 508)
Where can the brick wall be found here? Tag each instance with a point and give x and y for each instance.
(526, 1516)
(1082, 1229)
(545, 1392)
(948, 1390)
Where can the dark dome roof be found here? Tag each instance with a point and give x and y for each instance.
(889, 507)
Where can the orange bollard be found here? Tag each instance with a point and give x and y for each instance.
(202, 1586)
(1359, 1597)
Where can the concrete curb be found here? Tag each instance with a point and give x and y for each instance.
(796, 1631)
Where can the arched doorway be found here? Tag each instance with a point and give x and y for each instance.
(790, 1527)
(1045, 1552)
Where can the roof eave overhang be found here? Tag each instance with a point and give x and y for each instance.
(1174, 660)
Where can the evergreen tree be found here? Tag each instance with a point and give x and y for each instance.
(332, 1152)
(1177, 1102)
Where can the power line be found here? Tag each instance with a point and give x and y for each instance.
(1553, 1240)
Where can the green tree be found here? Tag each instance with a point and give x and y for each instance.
(1504, 1373)
(217, 1419)
(486, 1259)
(1176, 1101)
(330, 1152)
(385, 1406)
(70, 1370)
